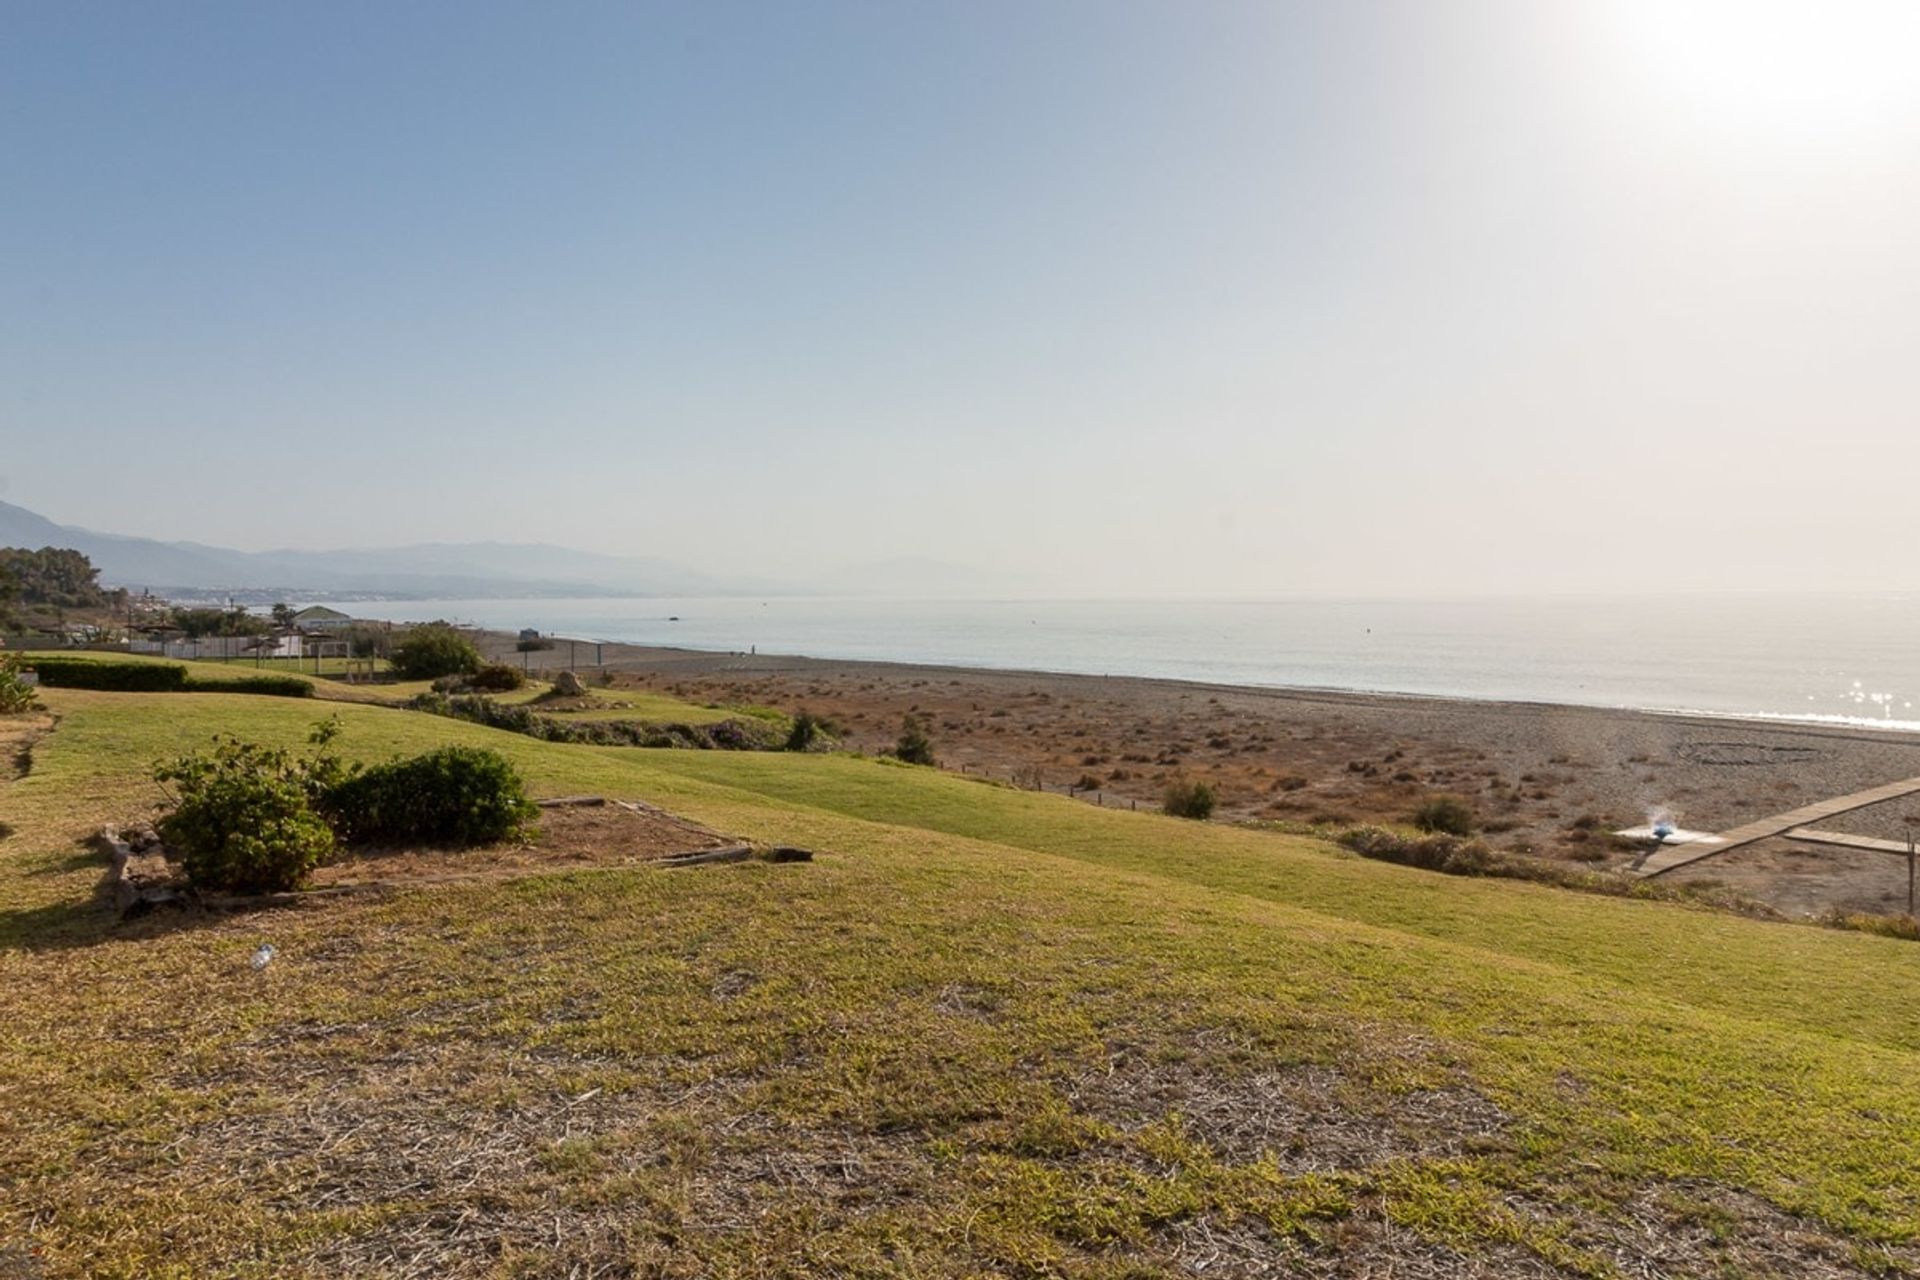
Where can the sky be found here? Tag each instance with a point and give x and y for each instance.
(1363, 297)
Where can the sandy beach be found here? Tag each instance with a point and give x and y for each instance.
(1551, 781)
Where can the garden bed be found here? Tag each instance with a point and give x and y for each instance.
(573, 833)
(577, 834)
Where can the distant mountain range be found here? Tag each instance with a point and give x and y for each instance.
(431, 569)
(445, 569)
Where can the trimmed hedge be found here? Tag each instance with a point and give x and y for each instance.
(271, 686)
(157, 677)
(114, 677)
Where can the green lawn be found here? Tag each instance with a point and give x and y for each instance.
(621, 704)
(986, 1032)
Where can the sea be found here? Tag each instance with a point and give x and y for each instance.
(1852, 659)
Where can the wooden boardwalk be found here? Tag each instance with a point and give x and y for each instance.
(1671, 857)
(1843, 840)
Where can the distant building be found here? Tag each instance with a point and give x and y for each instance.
(317, 617)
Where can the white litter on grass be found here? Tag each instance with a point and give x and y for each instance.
(263, 957)
(1675, 835)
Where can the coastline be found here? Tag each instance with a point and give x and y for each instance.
(628, 656)
(1546, 779)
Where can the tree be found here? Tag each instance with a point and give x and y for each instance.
(434, 650)
(218, 622)
(365, 640)
(55, 578)
(283, 616)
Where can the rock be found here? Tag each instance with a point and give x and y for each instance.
(139, 877)
(568, 685)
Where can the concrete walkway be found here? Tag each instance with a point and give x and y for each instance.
(1670, 857)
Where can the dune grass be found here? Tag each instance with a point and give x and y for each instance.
(985, 1032)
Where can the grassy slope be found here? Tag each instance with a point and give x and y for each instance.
(626, 704)
(944, 1002)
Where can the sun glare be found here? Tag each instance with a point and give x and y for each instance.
(1792, 69)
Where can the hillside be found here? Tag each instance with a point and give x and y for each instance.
(986, 1032)
(434, 569)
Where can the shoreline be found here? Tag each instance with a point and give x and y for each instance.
(1547, 780)
(1765, 658)
(500, 645)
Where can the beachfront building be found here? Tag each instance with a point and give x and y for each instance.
(317, 617)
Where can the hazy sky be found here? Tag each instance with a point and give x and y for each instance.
(1185, 296)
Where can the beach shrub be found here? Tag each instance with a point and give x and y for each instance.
(1454, 855)
(16, 695)
(1188, 799)
(805, 732)
(243, 818)
(914, 746)
(434, 650)
(496, 677)
(1904, 927)
(455, 795)
(1445, 815)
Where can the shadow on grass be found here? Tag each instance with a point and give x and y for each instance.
(82, 860)
(69, 926)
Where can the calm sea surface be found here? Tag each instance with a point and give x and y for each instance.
(1853, 658)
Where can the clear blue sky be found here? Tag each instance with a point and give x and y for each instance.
(1125, 297)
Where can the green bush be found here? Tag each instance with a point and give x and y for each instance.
(16, 695)
(496, 677)
(806, 731)
(1445, 815)
(914, 746)
(243, 819)
(114, 677)
(1188, 800)
(434, 650)
(455, 795)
